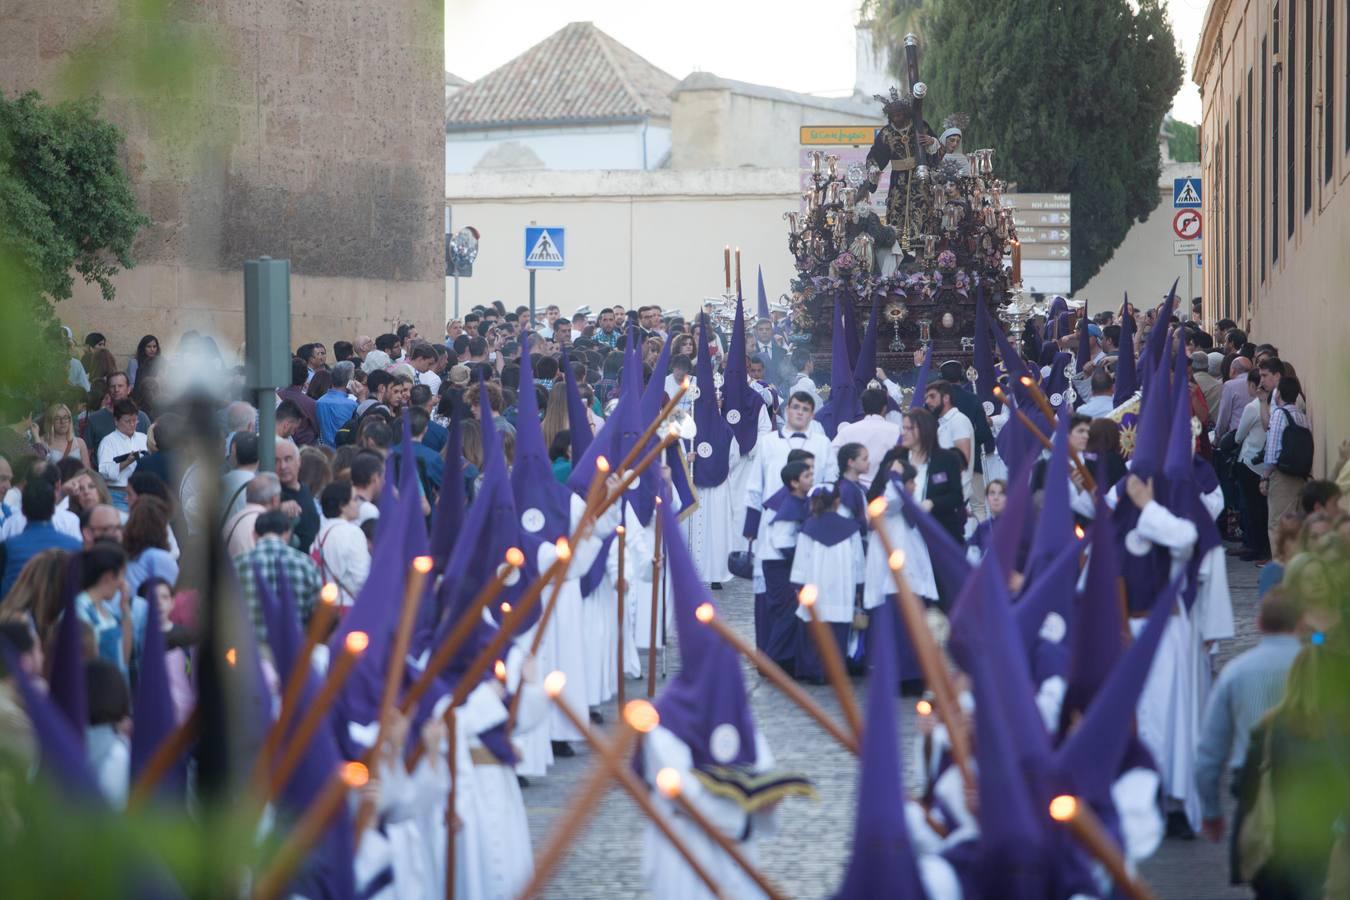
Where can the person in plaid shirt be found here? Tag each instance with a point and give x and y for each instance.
(272, 554)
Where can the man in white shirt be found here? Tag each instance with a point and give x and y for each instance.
(1103, 389)
(63, 519)
(423, 358)
(771, 453)
(121, 450)
(340, 548)
(872, 431)
(955, 431)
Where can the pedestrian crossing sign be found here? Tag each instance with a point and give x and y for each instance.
(544, 248)
(1185, 193)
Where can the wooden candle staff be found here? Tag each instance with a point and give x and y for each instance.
(163, 759)
(355, 645)
(650, 431)
(1089, 483)
(780, 679)
(582, 805)
(656, 587)
(622, 534)
(272, 883)
(462, 630)
(320, 623)
(831, 661)
(1083, 824)
(669, 783)
(627, 780)
(925, 646)
(451, 816)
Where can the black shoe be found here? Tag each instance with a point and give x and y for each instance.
(716, 585)
(597, 717)
(1178, 827)
(563, 750)
(911, 687)
(522, 781)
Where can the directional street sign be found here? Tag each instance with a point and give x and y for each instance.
(1040, 218)
(544, 248)
(1186, 223)
(1028, 234)
(1186, 248)
(1186, 193)
(1045, 251)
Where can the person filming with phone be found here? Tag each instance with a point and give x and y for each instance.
(121, 450)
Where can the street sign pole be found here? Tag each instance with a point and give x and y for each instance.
(267, 342)
(534, 322)
(1190, 274)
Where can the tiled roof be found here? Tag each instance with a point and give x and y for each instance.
(453, 80)
(577, 74)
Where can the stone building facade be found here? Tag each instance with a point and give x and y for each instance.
(314, 132)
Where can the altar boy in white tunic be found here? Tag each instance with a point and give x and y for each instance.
(708, 737)
(716, 452)
(830, 557)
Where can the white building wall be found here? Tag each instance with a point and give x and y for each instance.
(628, 145)
(1143, 264)
(632, 237)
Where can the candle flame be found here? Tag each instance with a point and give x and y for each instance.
(357, 642)
(506, 608)
(1026, 380)
(877, 507)
(515, 558)
(422, 564)
(231, 656)
(329, 594)
(998, 391)
(673, 431)
(554, 683)
(620, 531)
(499, 670)
(564, 549)
(601, 464)
(896, 560)
(668, 782)
(807, 595)
(684, 385)
(659, 501)
(355, 774)
(1063, 808)
(923, 708)
(642, 716)
(705, 613)
(1078, 530)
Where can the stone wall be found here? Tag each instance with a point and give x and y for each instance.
(324, 144)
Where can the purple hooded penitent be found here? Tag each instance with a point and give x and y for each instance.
(1055, 525)
(762, 310)
(711, 466)
(544, 503)
(578, 423)
(66, 683)
(864, 370)
(1127, 378)
(448, 517)
(740, 403)
(1097, 630)
(842, 406)
(882, 862)
(705, 704)
(986, 376)
(152, 704)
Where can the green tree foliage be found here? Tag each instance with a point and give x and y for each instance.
(1070, 94)
(1184, 144)
(66, 208)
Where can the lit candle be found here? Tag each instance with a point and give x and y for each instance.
(830, 659)
(726, 265)
(1016, 262)
(317, 713)
(620, 587)
(464, 627)
(780, 679)
(738, 271)
(305, 835)
(925, 646)
(656, 588)
(1087, 829)
(669, 783)
(582, 803)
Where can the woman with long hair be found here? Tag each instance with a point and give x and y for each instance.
(555, 413)
(100, 363)
(319, 384)
(145, 360)
(57, 434)
(37, 592)
(145, 538)
(937, 483)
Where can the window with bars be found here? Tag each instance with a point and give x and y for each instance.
(1308, 139)
(1265, 109)
(1290, 101)
(1329, 96)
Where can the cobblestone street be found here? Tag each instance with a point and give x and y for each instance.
(806, 858)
